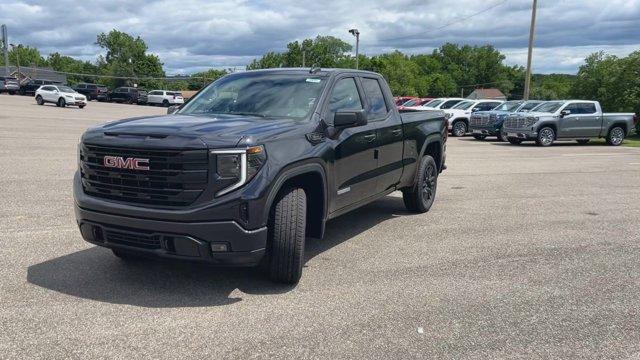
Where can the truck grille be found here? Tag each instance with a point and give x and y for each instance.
(173, 178)
(515, 122)
(479, 120)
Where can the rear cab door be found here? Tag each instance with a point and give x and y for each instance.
(380, 113)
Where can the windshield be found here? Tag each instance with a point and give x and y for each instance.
(410, 103)
(549, 107)
(434, 103)
(66, 89)
(530, 105)
(508, 106)
(259, 94)
(464, 105)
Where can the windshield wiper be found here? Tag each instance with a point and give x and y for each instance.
(247, 113)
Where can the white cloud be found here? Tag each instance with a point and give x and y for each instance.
(190, 35)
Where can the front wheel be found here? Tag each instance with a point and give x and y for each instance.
(546, 137)
(287, 224)
(501, 136)
(459, 128)
(420, 197)
(616, 136)
(61, 102)
(81, 106)
(39, 100)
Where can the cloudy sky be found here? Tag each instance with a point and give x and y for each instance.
(191, 35)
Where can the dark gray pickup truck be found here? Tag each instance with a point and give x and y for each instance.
(252, 165)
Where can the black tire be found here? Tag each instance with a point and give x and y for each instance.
(287, 224)
(125, 255)
(421, 195)
(583, 141)
(61, 103)
(514, 141)
(12, 92)
(479, 137)
(501, 136)
(546, 136)
(39, 100)
(615, 137)
(81, 106)
(459, 128)
(165, 103)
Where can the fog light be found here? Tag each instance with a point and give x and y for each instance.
(217, 247)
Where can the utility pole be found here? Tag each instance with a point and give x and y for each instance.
(532, 29)
(17, 60)
(304, 57)
(356, 33)
(5, 49)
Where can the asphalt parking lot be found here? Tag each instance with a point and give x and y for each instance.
(528, 252)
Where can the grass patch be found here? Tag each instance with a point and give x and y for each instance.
(631, 141)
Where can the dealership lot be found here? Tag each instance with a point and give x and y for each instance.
(527, 252)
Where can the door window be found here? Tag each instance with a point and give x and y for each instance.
(449, 104)
(573, 107)
(377, 106)
(587, 108)
(344, 96)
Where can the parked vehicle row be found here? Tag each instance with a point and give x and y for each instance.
(489, 123)
(9, 84)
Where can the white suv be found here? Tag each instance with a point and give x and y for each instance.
(60, 95)
(164, 97)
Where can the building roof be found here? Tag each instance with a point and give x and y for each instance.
(32, 73)
(487, 94)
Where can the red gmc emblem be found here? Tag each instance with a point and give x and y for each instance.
(128, 163)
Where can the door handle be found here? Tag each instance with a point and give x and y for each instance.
(396, 132)
(369, 137)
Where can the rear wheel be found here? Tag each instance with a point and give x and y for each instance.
(459, 128)
(546, 137)
(421, 195)
(616, 136)
(287, 224)
(514, 141)
(39, 100)
(81, 106)
(61, 102)
(479, 137)
(582, 141)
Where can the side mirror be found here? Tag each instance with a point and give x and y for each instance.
(349, 118)
(475, 109)
(564, 113)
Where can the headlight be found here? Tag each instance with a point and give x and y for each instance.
(530, 120)
(240, 165)
(448, 115)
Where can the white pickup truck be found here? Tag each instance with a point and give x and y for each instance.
(577, 120)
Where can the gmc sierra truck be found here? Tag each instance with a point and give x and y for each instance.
(577, 120)
(489, 123)
(253, 164)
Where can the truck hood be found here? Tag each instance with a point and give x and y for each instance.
(212, 131)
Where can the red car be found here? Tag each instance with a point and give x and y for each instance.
(414, 102)
(403, 99)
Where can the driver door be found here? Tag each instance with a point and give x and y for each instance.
(355, 150)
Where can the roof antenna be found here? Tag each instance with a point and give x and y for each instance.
(314, 69)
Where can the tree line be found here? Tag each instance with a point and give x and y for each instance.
(450, 70)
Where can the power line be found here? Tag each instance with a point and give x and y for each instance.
(447, 24)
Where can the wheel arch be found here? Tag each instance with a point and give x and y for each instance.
(311, 177)
(551, 125)
(621, 124)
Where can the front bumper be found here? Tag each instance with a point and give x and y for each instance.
(150, 233)
(75, 102)
(521, 134)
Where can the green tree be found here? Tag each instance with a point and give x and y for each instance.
(127, 57)
(323, 51)
(27, 55)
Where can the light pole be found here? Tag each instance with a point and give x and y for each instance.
(532, 29)
(17, 60)
(356, 33)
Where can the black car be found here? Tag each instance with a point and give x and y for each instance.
(125, 94)
(32, 85)
(252, 165)
(93, 91)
